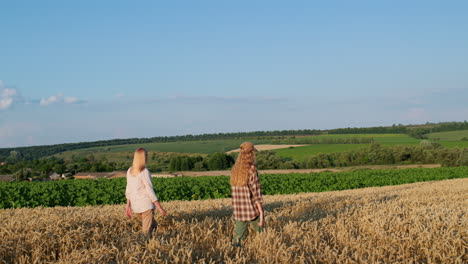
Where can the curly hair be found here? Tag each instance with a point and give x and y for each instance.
(245, 165)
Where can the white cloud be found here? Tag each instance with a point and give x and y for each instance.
(54, 99)
(50, 100)
(225, 99)
(6, 96)
(71, 100)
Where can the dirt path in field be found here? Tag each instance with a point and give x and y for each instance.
(227, 172)
(268, 147)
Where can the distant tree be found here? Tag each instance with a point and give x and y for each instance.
(22, 174)
(184, 164)
(199, 166)
(220, 161)
(175, 163)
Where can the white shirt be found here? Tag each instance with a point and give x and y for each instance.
(140, 191)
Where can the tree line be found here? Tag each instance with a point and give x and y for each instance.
(325, 140)
(36, 152)
(375, 154)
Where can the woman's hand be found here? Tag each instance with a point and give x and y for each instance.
(128, 211)
(160, 209)
(262, 220)
(260, 209)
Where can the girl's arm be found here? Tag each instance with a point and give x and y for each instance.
(128, 209)
(255, 189)
(159, 207)
(150, 192)
(146, 179)
(260, 209)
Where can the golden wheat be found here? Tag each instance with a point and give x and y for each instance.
(415, 223)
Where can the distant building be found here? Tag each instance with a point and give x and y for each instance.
(55, 176)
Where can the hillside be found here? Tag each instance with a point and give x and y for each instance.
(418, 131)
(442, 143)
(413, 223)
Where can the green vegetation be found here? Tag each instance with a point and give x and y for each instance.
(417, 131)
(36, 152)
(327, 149)
(217, 161)
(422, 131)
(324, 139)
(449, 136)
(300, 153)
(454, 144)
(425, 153)
(98, 192)
(451, 139)
(204, 147)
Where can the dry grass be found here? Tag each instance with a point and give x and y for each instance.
(415, 223)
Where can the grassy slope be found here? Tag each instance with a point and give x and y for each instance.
(206, 146)
(449, 136)
(299, 153)
(451, 139)
(417, 223)
(120, 152)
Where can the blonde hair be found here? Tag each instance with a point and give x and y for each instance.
(139, 161)
(245, 165)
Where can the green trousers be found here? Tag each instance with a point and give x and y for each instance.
(241, 230)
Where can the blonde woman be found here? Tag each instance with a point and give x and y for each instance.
(246, 194)
(141, 198)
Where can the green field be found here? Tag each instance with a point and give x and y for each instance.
(299, 153)
(385, 139)
(120, 153)
(112, 191)
(449, 136)
(123, 156)
(204, 147)
(454, 144)
(450, 139)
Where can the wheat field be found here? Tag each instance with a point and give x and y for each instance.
(413, 223)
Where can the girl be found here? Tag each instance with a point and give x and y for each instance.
(246, 194)
(141, 198)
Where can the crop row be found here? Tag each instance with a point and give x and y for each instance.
(112, 191)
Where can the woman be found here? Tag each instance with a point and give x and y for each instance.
(141, 198)
(246, 194)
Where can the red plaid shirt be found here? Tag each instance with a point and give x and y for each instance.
(245, 197)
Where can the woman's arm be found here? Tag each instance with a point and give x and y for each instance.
(128, 209)
(260, 209)
(146, 179)
(159, 207)
(150, 192)
(255, 189)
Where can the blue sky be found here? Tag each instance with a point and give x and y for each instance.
(74, 71)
